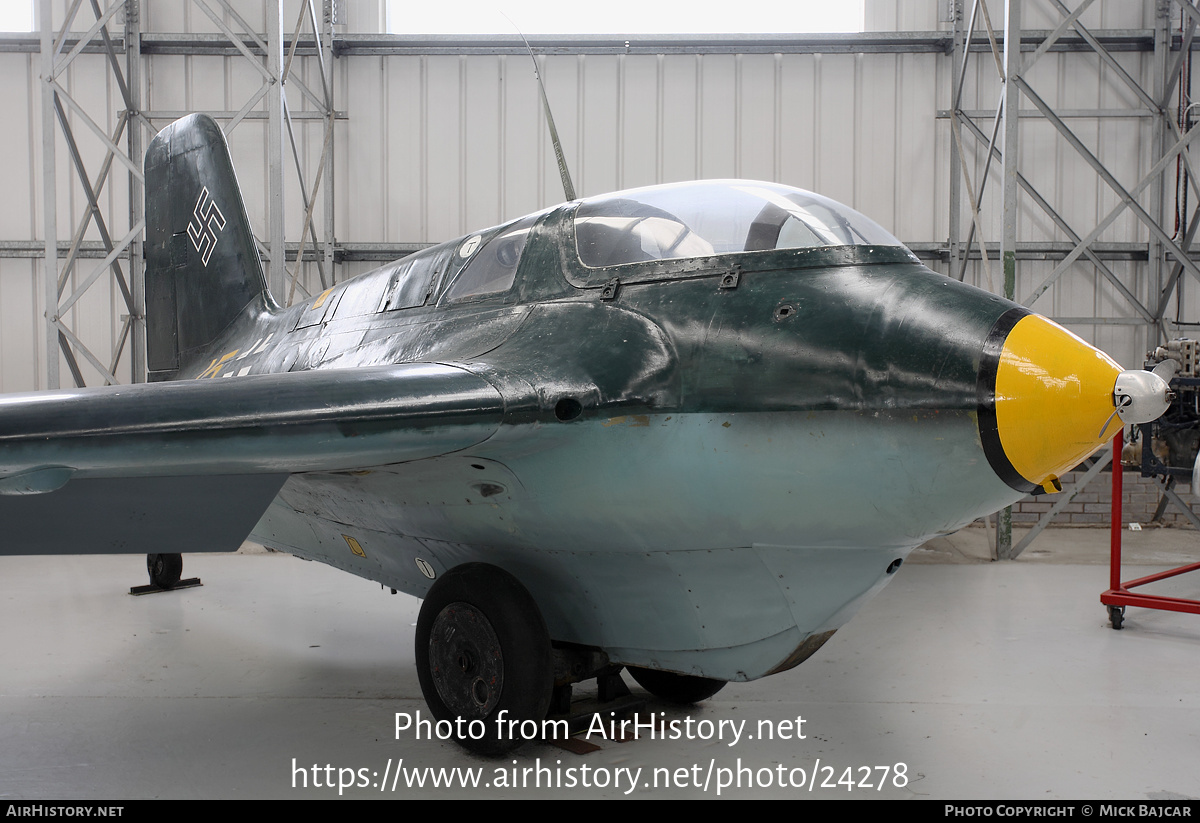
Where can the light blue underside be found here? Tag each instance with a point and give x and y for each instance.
(702, 543)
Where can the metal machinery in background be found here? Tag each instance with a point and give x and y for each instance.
(1165, 449)
(1168, 445)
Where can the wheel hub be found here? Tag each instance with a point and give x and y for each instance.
(466, 661)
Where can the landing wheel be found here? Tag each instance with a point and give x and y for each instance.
(1116, 616)
(483, 654)
(678, 688)
(165, 569)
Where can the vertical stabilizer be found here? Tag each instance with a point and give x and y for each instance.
(202, 267)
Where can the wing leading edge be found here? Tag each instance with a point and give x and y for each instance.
(191, 466)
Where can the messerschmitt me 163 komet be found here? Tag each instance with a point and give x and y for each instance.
(612, 433)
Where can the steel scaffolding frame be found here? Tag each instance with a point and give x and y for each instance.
(273, 53)
(58, 272)
(1000, 140)
(267, 55)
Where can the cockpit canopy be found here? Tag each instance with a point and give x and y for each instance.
(714, 217)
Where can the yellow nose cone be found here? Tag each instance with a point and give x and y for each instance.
(1053, 396)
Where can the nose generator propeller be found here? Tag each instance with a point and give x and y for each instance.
(1141, 396)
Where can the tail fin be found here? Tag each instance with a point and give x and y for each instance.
(202, 268)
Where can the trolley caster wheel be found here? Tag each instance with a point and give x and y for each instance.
(1116, 616)
(164, 569)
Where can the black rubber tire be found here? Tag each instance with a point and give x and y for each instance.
(164, 569)
(684, 689)
(490, 653)
(1116, 616)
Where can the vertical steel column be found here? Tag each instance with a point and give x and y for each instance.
(277, 273)
(49, 197)
(137, 193)
(1008, 241)
(955, 226)
(324, 103)
(1157, 250)
(1012, 106)
(329, 18)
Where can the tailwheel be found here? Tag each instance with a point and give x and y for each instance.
(164, 569)
(677, 688)
(483, 655)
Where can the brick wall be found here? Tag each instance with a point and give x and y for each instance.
(1093, 505)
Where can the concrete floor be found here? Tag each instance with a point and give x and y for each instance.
(984, 680)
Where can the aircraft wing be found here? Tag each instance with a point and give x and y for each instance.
(192, 465)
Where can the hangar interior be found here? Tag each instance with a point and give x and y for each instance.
(356, 144)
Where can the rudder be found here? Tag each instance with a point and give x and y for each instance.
(202, 267)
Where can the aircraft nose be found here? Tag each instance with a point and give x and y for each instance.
(1047, 400)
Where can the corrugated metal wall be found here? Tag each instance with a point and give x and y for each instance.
(436, 145)
(20, 293)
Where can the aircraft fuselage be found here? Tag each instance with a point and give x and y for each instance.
(685, 445)
(687, 429)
